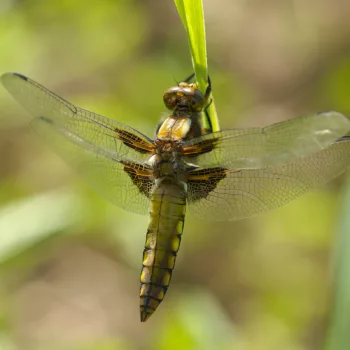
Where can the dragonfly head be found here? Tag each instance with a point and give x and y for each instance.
(184, 97)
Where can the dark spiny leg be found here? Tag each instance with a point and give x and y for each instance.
(188, 79)
(208, 91)
(206, 108)
(206, 112)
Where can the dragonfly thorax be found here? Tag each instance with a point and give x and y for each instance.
(167, 160)
(166, 150)
(175, 128)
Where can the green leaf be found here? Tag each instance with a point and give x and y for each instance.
(338, 336)
(192, 16)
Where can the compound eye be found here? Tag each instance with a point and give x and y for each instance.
(170, 100)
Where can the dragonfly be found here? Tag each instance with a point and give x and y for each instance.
(223, 175)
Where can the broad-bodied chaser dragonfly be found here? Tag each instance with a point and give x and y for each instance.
(224, 175)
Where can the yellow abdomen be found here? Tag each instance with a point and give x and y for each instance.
(167, 215)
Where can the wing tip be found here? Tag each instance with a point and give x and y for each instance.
(6, 77)
(19, 76)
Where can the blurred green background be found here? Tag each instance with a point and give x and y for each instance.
(70, 262)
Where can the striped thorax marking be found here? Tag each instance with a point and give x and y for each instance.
(175, 128)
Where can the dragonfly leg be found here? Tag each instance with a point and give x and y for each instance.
(208, 91)
(188, 79)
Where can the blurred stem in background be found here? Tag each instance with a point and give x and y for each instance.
(192, 16)
(338, 336)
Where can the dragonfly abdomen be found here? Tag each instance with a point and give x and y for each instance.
(167, 215)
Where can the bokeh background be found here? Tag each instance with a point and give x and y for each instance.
(70, 262)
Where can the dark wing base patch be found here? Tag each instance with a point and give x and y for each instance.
(141, 176)
(134, 142)
(203, 181)
(199, 148)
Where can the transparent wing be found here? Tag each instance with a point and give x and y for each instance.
(236, 194)
(105, 136)
(108, 154)
(255, 148)
(106, 176)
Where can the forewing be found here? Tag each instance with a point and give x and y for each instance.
(227, 194)
(108, 154)
(256, 148)
(105, 136)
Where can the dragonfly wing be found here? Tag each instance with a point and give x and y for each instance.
(107, 136)
(108, 154)
(217, 194)
(123, 183)
(256, 148)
